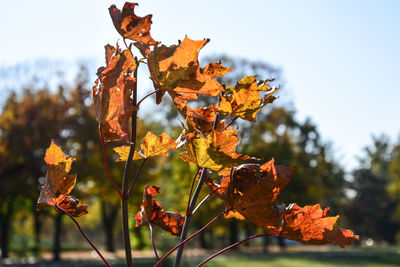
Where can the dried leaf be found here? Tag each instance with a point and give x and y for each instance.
(310, 225)
(71, 205)
(215, 152)
(151, 211)
(131, 26)
(244, 101)
(112, 98)
(152, 146)
(176, 69)
(58, 182)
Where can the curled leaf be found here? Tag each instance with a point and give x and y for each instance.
(216, 151)
(151, 211)
(131, 26)
(151, 146)
(59, 183)
(244, 101)
(112, 94)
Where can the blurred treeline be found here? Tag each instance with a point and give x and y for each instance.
(367, 198)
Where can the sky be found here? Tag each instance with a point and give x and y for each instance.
(340, 59)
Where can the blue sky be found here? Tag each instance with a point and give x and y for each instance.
(341, 59)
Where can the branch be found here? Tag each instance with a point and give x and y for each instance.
(192, 236)
(188, 211)
(152, 241)
(83, 233)
(136, 177)
(203, 200)
(107, 164)
(229, 247)
(138, 104)
(229, 124)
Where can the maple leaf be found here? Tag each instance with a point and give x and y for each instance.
(131, 26)
(250, 191)
(216, 151)
(244, 101)
(112, 98)
(151, 211)
(176, 69)
(58, 182)
(151, 146)
(310, 225)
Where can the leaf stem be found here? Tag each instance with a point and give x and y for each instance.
(229, 124)
(107, 164)
(155, 91)
(136, 178)
(125, 179)
(191, 237)
(152, 241)
(203, 200)
(229, 247)
(188, 211)
(83, 233)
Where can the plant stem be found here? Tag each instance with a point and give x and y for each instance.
(136, 177)
(191, 237)
(229, 124)
(83, 233)
(155, 91)
(203, 200)
(152, 241)
(125, 179)
(188, 211)
(229, 247)
(107, 164)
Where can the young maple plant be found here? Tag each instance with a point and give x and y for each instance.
(250, 190)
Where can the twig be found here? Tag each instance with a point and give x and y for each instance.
(229, 247)
(155, 91)
(229, 124)
(107, 164)
(83, 233)
(152, 241)
(188, 211)
(136, 177)
(191, 237)
(203, 200)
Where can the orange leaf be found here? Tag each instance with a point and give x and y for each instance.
(152, 146)
(215, 152)
(131, 26)
(310, 225)
(58, 182)
(70, 204)
(176, 69)
(112, 98)
(151, 211)
(244, 101)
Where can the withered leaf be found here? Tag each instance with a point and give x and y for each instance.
(310, 225)
(216, 151)
(71, 205)
(151, 211)
(244, 101)
(59, 183)
(131, 26)
(112, 97)
(176, 69)
(151, 146)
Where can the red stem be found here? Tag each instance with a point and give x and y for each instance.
(83, 233)
(188, 211)
(229, 247)
(152, 241)
(106, 163)
(203, 200)
(191, 237)
(229, 124)
(136, 178)
(138, 104)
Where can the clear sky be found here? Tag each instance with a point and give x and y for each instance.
(341, 59)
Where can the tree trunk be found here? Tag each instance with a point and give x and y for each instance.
(37, 225)
(281, 243)
(109, 214)
(234, 233)
(57, 237)
(6, 228)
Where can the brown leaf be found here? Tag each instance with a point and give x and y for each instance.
(112, 98)
(71, 205)
(151, 211)
(310, 225)
(176, 69)
(58, 182)
(244, 101)
(131, 26)
(215, 152)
